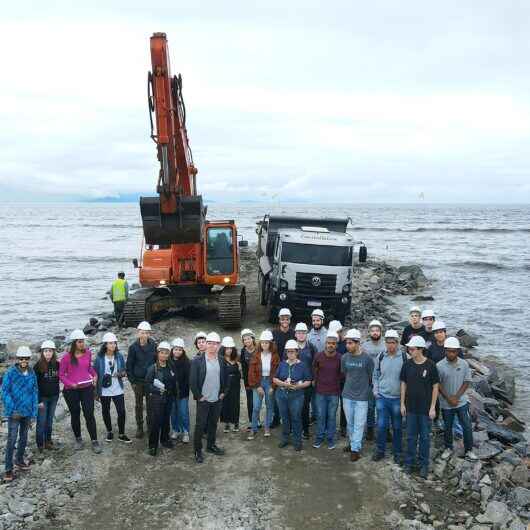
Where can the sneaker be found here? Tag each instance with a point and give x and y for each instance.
(22, 466)
(251, 436)
(267, 433)
(151, 451)
(186, 438)
(235, 428)
(281, 445)
(96, 447)
(248, 428)
(227, 428)
(470, 455)
(305, 435)
(317, 445)
(298, 447)
(110, 437)
(332, 446)
(8, 476)
(215, 450)
(79, 444)
(125, 439)
(199, 459)
(354, 456)
(446, 454)
(377, 456)
(174, 435)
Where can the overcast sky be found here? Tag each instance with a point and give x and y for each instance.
(357, 101)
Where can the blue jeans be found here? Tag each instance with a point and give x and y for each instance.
(356, 413)
(257, 400)
(290, 403)
(370, 418)
(464, 418)
(326, 417)
(388, 412)
(418, 426)
(180, 415)
(16, 428)
(45, 420)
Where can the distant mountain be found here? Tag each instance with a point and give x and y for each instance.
(126, 197)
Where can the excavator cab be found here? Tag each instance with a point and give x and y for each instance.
(221, 256)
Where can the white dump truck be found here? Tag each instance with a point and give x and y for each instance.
(306, 263)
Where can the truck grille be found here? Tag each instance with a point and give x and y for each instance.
(305, 284)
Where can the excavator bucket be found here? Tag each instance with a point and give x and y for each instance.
(184, 226)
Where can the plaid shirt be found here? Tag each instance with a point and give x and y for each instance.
(20, 393)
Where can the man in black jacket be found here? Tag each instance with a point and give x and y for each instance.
(140, 357)
(208, 384)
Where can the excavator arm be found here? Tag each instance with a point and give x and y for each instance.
(177, 214)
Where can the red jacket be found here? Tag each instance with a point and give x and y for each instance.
(254, 369)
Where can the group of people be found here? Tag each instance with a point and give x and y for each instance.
(384, 384)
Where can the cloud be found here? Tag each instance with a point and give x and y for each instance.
(373, 103)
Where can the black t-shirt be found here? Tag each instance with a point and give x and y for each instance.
(419, 378)
(48, 380)
(280, 338)
(409, 332)
(435, 353)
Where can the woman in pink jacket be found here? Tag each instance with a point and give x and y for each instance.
(79, 379)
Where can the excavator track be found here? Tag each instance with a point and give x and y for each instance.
(146, 304)
(232, 306)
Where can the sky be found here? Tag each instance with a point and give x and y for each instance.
(352, 101)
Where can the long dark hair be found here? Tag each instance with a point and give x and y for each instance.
(73, 360)
(103, 350)
(233, 354)
(42, 364)
(182, 359)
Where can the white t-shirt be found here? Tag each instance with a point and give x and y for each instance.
(266, 364)
(115, 389)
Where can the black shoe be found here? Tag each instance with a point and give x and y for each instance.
(298, 447)
(168, 444)
(198, 457)
(281, 445)
(377, 456)
(151, 451)
(125, 439)
(305, 435)
(109, 437)
(215, 450)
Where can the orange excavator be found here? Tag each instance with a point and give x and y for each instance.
(187, 260)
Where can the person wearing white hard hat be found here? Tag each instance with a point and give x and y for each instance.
(357, 368)
(428, 317)
(208, 384)
(336, 326)
(161, 385)
(110, 369)
(326, 382)
(306, 354)
(436, 351)
(200, 343)
(318, 333)
(247, 352)
(180, 411)
(140, 357)
(414, 327)
(47, 373)
(230, 409)
(419, 392)
(79, 379)
(373, 346)
(291, 378)
(387, 393)
(261, 371)
(20, 404)
(455, 378)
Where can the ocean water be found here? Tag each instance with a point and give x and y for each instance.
(58, 260)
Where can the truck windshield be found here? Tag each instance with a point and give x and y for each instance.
(317, 254)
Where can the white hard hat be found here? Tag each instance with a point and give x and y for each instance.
(77, 334)
(213, 337)
(23, 352)
(438, 324)
(200, 335)
(109, 337)
(178, 343)
(48, 345)
(228, 342)
(332, 335)
(318, 313)
(144, 326)
(416, 342)
(353, 334)
(285, 312)
(335, 325)
(291, 345)
(427, 313)
(452, 343)
(164, 345)
(247, 331)
(301, 326)
(391, 334)
(415, 309)
(375, 323)
(266, 335)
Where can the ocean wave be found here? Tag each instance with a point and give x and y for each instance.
(481, 265)
(439, 229)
